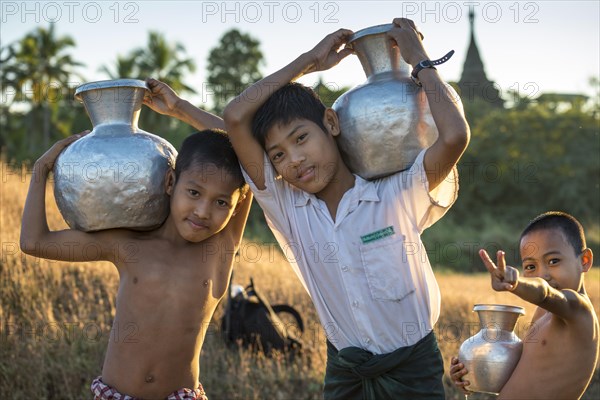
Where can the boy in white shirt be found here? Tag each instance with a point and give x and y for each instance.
(354, 244)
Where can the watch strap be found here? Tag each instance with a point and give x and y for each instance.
(414, 75)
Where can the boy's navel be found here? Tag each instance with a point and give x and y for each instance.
(135, 280)
(149, 379)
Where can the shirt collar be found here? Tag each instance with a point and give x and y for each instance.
(362, 190)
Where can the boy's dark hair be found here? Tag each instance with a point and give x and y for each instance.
(567, 224)
(209, 147)
(292, 101)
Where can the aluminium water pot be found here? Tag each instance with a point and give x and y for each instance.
(114, 177)
(386, 121)
(492, 354)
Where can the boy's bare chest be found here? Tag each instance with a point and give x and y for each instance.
(157, 268)
(539, 331)
(548, 339)
(550, 342)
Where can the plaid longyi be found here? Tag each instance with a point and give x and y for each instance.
(102, 391)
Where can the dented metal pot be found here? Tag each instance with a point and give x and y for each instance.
(386, 121)
(114, 177)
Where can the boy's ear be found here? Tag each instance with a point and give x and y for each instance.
(169, 181)
(331, 122)
(587, 260)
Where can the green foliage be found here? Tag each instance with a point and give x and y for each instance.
(159, 59)
(167, 62)
(257, 228)
(125, 67)
(453, 242)
(539, 156)
(233, 65)
(329, 92)
(35, 74)
(524, 161)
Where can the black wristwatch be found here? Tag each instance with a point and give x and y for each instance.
(428, 64)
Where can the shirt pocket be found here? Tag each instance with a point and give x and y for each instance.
(387, 270)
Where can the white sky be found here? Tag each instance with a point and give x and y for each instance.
(529, 46)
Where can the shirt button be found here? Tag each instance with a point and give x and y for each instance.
(355, 304)
(367, 340)
(345, 268)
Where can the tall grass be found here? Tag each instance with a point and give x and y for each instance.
(55, 320)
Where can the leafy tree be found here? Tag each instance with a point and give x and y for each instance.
(124, 68)
(232, 66)
(476, 107)
(162, 60)
(37, 72)
(521, 162)
(328, 92)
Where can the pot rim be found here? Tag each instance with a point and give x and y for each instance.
(499, 307)
(372, 30)
(107, 84)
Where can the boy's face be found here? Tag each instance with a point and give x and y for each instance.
(303, 154)
(202, 201)
(548, 255)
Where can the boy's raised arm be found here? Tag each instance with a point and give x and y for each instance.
(65, 245)
(240, 111)
(447, 113)
(164, 100)
(239, 218)
(567, 304)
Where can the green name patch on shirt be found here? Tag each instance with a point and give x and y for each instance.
(380, 234)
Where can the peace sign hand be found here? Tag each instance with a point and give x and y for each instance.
(504, 277)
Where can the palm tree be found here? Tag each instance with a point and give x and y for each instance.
(161, 60)
(124, 68)
(164, 61)
(38, 70)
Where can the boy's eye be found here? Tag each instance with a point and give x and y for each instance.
(554, 261)
(529, 268)
(276, 156)
(193, 192)
(301, 137)
(222, 203)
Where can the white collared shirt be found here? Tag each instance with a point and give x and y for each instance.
(367, 273)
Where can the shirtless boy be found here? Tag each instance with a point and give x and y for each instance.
(169, 289)
(560, 349)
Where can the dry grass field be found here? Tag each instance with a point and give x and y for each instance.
(55, 320)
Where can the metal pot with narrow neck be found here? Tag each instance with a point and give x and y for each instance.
(114, 177)
(492, 354)
(386, 121)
